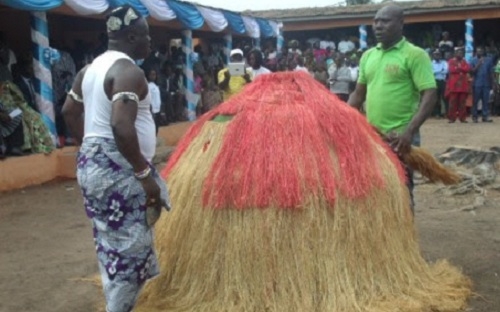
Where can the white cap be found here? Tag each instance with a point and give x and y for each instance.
(236, 51)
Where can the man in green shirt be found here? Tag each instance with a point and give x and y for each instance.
(397, 82)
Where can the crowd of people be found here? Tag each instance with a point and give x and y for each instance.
(464, 89)
(123, 194)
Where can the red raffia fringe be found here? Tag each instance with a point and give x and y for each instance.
(279, 144)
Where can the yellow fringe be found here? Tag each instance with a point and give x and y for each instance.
(358, 256)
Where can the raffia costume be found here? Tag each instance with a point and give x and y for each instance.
(285, 199)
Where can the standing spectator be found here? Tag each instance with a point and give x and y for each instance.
(457, 88)
(496, 89)
(440, 68)
(232, 85)
(11, 133)
(255, 61)
(446, 45)
(167, 90)
(340, 79)
(320, 73)
(327, 43)
(319, 53)
(297, 64)
(345, 45)
(294, 48)
(354, 68)
(63, 73)
(397, 83)
(154, 91)
(482, 69)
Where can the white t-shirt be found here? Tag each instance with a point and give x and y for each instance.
(448, 43)
(354, 73)
(300, 68)
(327, 44)
(254, 73)
(98, 106)
(155, 97)
(296, 51)
(346, 46)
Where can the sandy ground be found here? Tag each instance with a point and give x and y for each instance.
(46, 241)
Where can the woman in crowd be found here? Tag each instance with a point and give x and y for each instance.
(36, 134)
(340, 79)
(457, 88)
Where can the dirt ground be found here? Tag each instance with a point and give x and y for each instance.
(46, 241)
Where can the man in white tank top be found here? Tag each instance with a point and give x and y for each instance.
(108, 112)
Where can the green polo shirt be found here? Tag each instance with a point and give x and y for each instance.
(394, 79)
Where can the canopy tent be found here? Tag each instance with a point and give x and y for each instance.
(184, 16)
(191, 16)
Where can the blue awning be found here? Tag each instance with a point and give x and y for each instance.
(190, 15)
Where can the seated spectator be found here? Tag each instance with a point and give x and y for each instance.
(11, 133)
(25, 83)
(37, 137)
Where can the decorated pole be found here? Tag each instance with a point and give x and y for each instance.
(362, 37)
(469, 39)
(42, 57)
(256, 43)
(228, 39)
(280, 39)
(191, 98)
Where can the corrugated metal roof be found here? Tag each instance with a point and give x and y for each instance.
(338, 11)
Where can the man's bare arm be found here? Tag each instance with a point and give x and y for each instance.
(358, 97)
(73, 108)
(124, 76)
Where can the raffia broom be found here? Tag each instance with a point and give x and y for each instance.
(293, 203)
(418, 159)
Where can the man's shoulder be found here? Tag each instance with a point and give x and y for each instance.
(370, 52)
(409, 47)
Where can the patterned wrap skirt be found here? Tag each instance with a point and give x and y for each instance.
(116, 203)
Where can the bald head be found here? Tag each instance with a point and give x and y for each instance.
(388, 25)
(392, 10)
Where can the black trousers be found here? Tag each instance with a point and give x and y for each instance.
(14, 140)
(441, 87)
